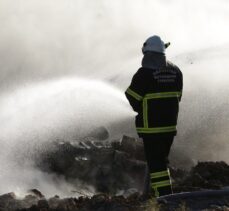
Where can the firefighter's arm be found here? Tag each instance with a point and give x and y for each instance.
(181, 85)
(137, 89)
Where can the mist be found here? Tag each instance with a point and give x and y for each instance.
(67, 109)
(60, 61)
(101, 39)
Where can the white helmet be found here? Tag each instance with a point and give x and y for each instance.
(154, 44)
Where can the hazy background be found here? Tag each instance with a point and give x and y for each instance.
(64, 66)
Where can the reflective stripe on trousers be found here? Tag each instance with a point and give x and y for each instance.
(159, 180)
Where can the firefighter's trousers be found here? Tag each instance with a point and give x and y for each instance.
(157, 148)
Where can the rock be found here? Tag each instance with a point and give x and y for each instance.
(98, 200)
(99, 133)
(132, 146)
(36, 193)
(43, 203)
(209, 175)
(54, 202)
(68, 204)
(8, 201)
(216, 207)
(130, 192)
(30, 200)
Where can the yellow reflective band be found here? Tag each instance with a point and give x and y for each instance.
(156, 192)
(134, 94)
(159, 174)
(145, 113)
(163, 95)
(161, 184)
(157, 129)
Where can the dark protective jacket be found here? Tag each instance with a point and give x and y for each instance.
(154, 93)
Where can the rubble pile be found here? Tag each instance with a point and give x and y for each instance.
(208, 175)
(116, 169)
(120, 166)
(104, 202)
(98, 202)
(205, 175)
(108, 166)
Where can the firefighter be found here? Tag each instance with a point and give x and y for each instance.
(154, 93)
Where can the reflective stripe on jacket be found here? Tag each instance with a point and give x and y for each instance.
(155, 96)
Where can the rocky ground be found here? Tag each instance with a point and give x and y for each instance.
(117, 174)
(212, 200)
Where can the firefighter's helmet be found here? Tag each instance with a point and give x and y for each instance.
(154, 44)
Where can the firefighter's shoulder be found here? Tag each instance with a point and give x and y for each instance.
(173, 66)
(142, 73)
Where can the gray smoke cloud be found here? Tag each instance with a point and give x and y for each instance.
(47, 47)
(204, 117)
(100, 39)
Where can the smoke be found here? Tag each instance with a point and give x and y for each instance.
(204, 117)
(66, 109)
(101, 39)
(47, 46)
(42, 113)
